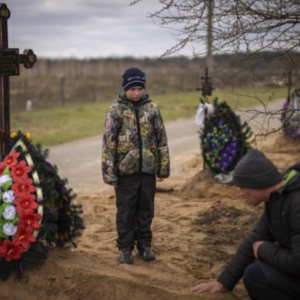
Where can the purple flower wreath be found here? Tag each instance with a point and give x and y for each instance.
(224, 139)
(290, 117)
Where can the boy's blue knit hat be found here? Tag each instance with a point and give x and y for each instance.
(133, 77)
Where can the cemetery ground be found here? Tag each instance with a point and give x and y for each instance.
(199, 224)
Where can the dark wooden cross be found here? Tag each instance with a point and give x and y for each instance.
(10, 59)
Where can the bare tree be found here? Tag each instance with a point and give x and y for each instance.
(241, 25)
(248, 26)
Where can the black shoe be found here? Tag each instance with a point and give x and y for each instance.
(126, 257)
(146, 253)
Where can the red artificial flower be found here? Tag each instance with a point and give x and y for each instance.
(20, 171)
(11, 250)
(23, 187)
(11, 159)
(2, 168)
(29, 219)
(25, 202)
(24, 236)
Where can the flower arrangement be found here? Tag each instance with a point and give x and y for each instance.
(224, 139)
(290, 117)
(36, 209)
(19, 219)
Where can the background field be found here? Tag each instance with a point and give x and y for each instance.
(57, 125)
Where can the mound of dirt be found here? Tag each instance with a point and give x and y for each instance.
(282, 150)
(226, 225)
(204, 185)
(198, 226)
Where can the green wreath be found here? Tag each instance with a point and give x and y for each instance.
(224, 140)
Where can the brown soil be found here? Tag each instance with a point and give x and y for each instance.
(199, 223)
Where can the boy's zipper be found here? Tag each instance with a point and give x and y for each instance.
(136, 109)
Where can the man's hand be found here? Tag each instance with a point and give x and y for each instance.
(211, 287)
(255, 248)
(114, 184)
(160, 179)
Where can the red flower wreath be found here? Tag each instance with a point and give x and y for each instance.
(11, 159)
(20, 171)
(11, 250)
(24, 236)
(23, 187)
(2, 168)
(29, 219)
(25, 202)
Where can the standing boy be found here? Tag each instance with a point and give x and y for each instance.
(135, 152)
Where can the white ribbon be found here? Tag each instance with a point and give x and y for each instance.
(200, 112)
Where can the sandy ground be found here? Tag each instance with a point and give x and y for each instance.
(198, 225)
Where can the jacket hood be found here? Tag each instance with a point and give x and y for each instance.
(294, 182)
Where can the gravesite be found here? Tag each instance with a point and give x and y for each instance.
(136, 163)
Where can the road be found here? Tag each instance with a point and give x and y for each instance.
(80, 161)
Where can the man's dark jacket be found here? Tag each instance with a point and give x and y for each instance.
(279, 227)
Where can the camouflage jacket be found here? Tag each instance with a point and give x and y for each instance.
(134, 140)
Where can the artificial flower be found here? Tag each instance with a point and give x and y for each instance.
(9, 229)
(2, 168)
(9, 213)
(4, 179)
(13, 135)
(21, 170)
(11, 250)
(230, 159)
(233, 151)
(24, 236)
(23, 187)
(225, 164)
(224, 155)
(29, 219)
(8, 197)
(28, 135)
(11, 159)
(25, 202)
(233, 144)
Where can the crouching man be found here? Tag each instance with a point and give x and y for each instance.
(269, 257)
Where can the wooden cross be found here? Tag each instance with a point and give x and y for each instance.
(10, 59)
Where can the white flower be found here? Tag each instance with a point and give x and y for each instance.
(9, 213)
(9, 229)
(8, 197)
(4, 178)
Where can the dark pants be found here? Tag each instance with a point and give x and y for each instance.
(135, 210)
(259, 288)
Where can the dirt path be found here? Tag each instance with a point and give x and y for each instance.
(80, 161)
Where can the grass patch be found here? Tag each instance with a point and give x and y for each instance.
(59, 125)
